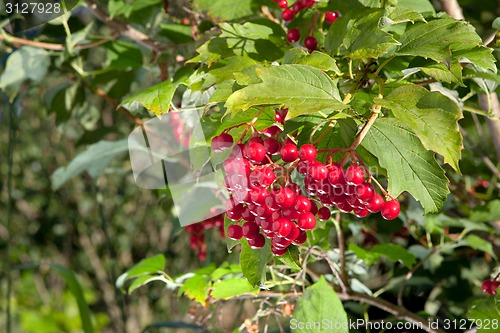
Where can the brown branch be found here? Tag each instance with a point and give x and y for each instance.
(18, 42)
(452, 8)
(124, 29)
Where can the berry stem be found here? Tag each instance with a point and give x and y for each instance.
(366, 128)
(313, 23)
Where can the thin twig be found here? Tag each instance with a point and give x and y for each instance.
(17, 42)
(341, 244)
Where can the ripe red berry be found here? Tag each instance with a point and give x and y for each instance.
(364, 191)
(324, 213)
(278, 252)
(375, 204)
(336, 175)
(310, 43)
(250, 230)
(285, 197)
(308, 153)
(330, 17)
(486, 286)
(297, 7)
(360, 212)
(289, 152)
(391, 209)
(354, 175)
(301, 238)
(257, 242)
(272, 146)
(307, 3)
(234, 231)
(287, 15)
(302, 204)
(318, 171)
(293, 35)
(283, 3)
(306, 221)
(282, 227)
(221, 142)
(255, 152)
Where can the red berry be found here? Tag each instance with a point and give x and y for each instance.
(283, 3)
(278, 252)
(250, 230)
(272, 146)
(297, 7)
(282, 227)
(307, 153)
(307, 3)
(234, 231)
(285, 197)
(301, 238)
(376, 203)
(258, 195)
(310, 43)
(486, 286)
(360, 212)
(221, 142)
(330, 17)
(494, 286)
(255, 152)
(302, 204)
(318, 171)
(289, 152)
(391, 209)
(287, 15)
(324, 213)
(257, 242)
(364, 191)
(355, 175)
(306, 221)
(293, 35)
(294, 233)
(336, 175)
(271, 130)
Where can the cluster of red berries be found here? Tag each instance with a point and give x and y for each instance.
(197, 234)
(489, 287)
(180, 131)
(265, 202)
(289, 13)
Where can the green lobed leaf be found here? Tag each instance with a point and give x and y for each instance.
(226, 10)
(177, 33)
(26, 63)
(253, 263)
(158, 97)
(93, 160)
(316, 59)
(432, 116)
(196, 288)
(410, 167)
(423, 7)
(439, 39)
(393, 252)
(291, 258)
(319, 303)
(303, 89)
(226, 289)
(484, 313)
(478, 243)
(147, 266)
(122, 56)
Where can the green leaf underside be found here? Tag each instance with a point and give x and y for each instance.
(148, 266)
(440, 38)
(254, 262)
(393, 252)
(432, 116)
(304, 88)
(157, 98)
(318, 303)
(410, 167)
(233, 287)
(291, 258)
(93, 160)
